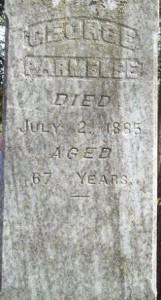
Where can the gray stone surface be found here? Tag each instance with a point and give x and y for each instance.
(80, 151)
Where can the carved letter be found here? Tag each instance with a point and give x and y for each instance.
(104, 101)
(124, 179)
(110, 33)
(72, 153)
(132, 69)
(91, 30)
(119, 69)
(74, 29)
(26, 127)
(32, 66)
(56, 127)
(92, 179)
(55, 31)
(61, 66)
(103, 179)
(57, 152)
(105, 153)
(47, 66)
(93, 68)
(106, 69)
(61, 99)
(81, 177)
(77, 67)
(36, 35)
(88, 99)
(128, 38)
(89, 152)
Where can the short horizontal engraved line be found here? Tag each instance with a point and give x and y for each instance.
(81, 196)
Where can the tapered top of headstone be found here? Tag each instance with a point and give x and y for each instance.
(116, 10)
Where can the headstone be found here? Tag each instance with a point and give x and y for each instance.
(80, 150)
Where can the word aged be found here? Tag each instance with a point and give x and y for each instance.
(87, 153)
(39, 127)
(101, 179)
(43, 178)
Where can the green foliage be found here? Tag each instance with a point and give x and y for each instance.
(1, 101)
(2, 54)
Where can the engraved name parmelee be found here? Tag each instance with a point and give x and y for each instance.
(80, 29)
(80, 67)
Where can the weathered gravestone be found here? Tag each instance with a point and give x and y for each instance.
(80, 150)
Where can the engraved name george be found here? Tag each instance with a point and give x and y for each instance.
(81, 29)
(80, 67)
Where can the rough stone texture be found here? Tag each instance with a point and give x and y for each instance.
(80, 151)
